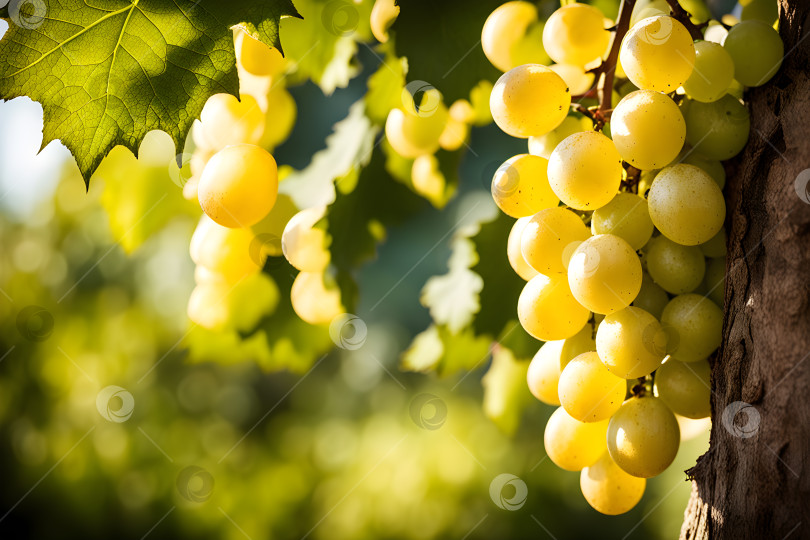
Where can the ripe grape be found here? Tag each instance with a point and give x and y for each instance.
(585, 170)
(224, 251)
(454, 134)
(648, 129)
(428, 179)
(216, 304)
(651, 298)
(631, 343)
(757, 51)
(677, 269)
(280, 115)
(514, 253)
(685, 387)
(718, 130)
(578, 80)
(658, 54)
(694, 326)
(711, 166)
(226, 120)
(579, 343)
(571, 444)
(544, 372)
(627, 217)
(686, 205)
(550, 238)
(588, 391)
(239, 185)
(520, 186)
(413, 133)
(604, 274)
(257, 58)
(716, 245)
(713, 73)
(548, 311)
(608, 489)
(529, 100)
(575, 34)
(383, 15)
(315, 298)
(643, 437)
(305, 246)
(504, 36)
(544, 145)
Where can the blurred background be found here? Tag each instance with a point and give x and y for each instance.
(109, 429)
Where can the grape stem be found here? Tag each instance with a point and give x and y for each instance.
(683, 17)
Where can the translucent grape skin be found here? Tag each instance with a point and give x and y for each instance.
(718, 130)
(685, 388)
(711, 166)
(315, 298)
(304, 245)
(544, 372)
(548, 311)
(694, 326)
(608, 489)
(505, 31)
(575, 34)
(239, 185)
(544, 145)
(427, 178)
(604, 274)
(257, 58)
(643, 437)
(515, 255)
(579, 343)
(520, 186)
(757, 51)
(549, 239)
(677, 269)
(226, 120)
(573, 445)
(383, 15)
(713, 73)
(585, 170)
(588, 391)
(224, 251)
(686, 205)
(648, 129)
(631, 343)
(627, 217)
(280, 117)
(529, 100)
(657, 54)
(411, 133)
(651, 298)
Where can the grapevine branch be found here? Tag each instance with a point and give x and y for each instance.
(683, 17)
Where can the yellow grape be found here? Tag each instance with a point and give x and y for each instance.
(627, 217)
(280, 116)
(257, 58)
(505, 36)
(686, 205)
(575, 34)
(585, 170)
(462, 111)
(694, 326)
(529, 100)
(216, 304)
(658, 54)
(315, 298)
(383, 15)
(578, 80)
(685, 388)
(608, 489)
(520, 186)
(413, 133)
(544, 372)
(544, 145)
(224, 251)
(571, 444)
(226, 120)
(651, 298)
(428, 179)
(648, 129)
(305, 246)
(454, 134)
(631, 343)
(677, 269)
(604, 274)
(548, 311)
(588, 391)
(515, 255)
(550, 238)
(239, 185)
(643, 437)
(712, 166)
(579, 343)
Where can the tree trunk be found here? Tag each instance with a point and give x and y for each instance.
(752, 483)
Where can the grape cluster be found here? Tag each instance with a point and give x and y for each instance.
(619, 230)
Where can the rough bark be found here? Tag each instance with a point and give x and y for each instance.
(753, 482)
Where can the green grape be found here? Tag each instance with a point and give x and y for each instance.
(257, 58)
(280, 117)
(225, 121)
(604, 274)
(677, 269)
(305, 246)
(529, 100)
(412, 132)
(270, 229)
(716, 245)
(764, 10)
(575, 34)
(685, 388)
(504, 36)
(648, 129)
(383, 15)
(651, 298)
(315, 298)
(658, 54)
(757, 51)
(585, 170)
(713, 73)
(520, 186)
(686, 205)
(239, 185)
(588, 391)
(631, 343)
(715, 281)
(544, 372)
(718, 130)
(694, 326)
(225, 252)
(627, 217)
(548, 311)
(711, 166)
(643, 437)
(544, 145)
(648, 8)
(573, 445)
(608, 489)
(515, 255)
(579, 343)
(550, 238)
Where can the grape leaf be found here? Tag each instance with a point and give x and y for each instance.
(108, 75)
(505, 390)
(440, 350)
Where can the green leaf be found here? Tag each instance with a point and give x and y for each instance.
(505, 391)
(385, 85)
(108, 75)
(452, 298)
(440, 350)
